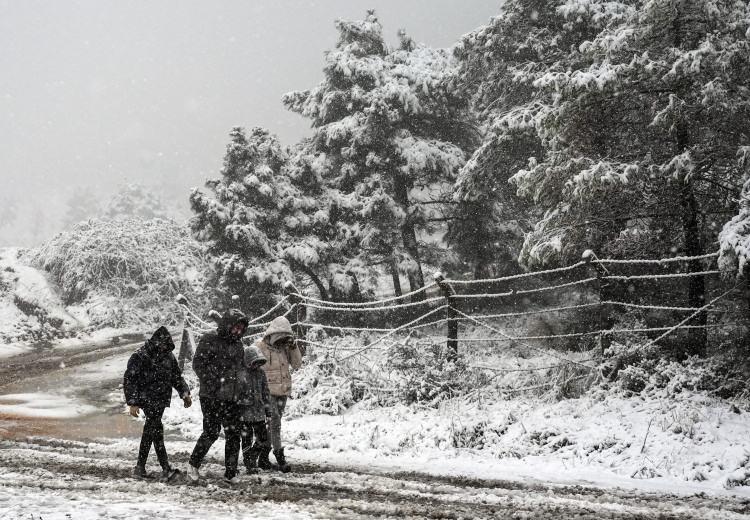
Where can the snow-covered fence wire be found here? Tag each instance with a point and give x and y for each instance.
(457, 311)
(448, 313)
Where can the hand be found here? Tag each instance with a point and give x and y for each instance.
(134, 410)
(187, 400)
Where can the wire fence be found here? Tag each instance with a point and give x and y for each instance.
(449, 304)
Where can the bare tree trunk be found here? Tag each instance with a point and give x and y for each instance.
(696, 284)
(409, 236)
(408, 233)
(396, 278)
(480, 270)
(356, 293)
(315, 279)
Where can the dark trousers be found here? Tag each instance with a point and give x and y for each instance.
(246, 434)
(218, 414)
(153, 433)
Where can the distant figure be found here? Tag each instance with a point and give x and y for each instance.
(219, 363)
(151, 374)
(281, 351)
(255, 408)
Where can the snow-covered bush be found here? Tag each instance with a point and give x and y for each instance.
(650, 375)
(125, 271)
(427, 373)
(321, 389)
(734, 238)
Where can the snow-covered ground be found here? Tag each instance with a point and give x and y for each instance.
(689, 445)
(602, 455)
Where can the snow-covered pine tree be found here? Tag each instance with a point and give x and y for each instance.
(327, 230)
(135, 200)
(642, 138)
(390, 129)
(268, 220)
(240, 220)
(82, 205)
(498, 65)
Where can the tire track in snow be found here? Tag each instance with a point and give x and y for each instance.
(347, 494)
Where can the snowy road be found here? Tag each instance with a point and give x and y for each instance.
(50, 478)
(47, 470)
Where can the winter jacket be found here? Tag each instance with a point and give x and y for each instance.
(151, 374)
(219, 360)
(254, 396)
(279, 359)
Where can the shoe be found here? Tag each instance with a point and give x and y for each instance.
(193, 473)
(140, 472)
(233, 480)
(281, 459)
(251, 461)
(263, 462)
(169, 474)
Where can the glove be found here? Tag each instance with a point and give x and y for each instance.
(134, 410)
(187, 400)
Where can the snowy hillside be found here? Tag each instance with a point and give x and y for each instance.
(31, 308)
(102, 278)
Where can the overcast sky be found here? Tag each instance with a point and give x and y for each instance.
(95, 93)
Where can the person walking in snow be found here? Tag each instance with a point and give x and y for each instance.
(219, 364)
(151, 374)
(255, 408)
(281, 352)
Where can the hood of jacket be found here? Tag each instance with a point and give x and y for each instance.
(159, 338)
(253, 354)
(278, 328)
(230, 318)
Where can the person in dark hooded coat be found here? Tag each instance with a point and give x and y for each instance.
(151, 374)
(256, 407)
(219, 364)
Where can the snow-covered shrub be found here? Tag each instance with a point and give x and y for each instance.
(125, 271)
(426, 373)
(633, 378)
(721, 376)
(320, 389)
(480, 435)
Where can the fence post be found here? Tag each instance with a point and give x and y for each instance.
(186, 353)
(449, 293)
(300, 314)
(596, 270)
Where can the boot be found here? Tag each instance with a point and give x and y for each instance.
(263, 462)
(251, 462)
(283, 466)
(140, 472)
(168, 474)
(193, 473)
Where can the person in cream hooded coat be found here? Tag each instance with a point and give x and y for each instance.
(283, 356)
